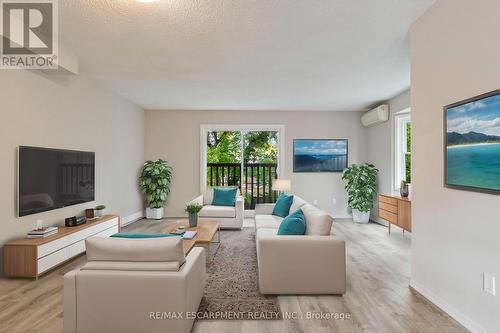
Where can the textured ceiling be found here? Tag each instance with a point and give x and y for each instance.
(244, 54)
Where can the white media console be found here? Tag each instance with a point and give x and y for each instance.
(33, 257)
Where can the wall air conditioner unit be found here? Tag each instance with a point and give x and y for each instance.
(376, 116)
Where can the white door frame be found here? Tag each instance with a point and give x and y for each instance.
(205, 128)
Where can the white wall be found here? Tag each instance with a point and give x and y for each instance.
(455, 54)
(174, 136)
(379, 148)
(68, 112)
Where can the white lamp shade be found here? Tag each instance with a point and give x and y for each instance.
(281, 185)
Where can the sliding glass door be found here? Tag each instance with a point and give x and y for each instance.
(224, 156)
(260, 164)
(245, 158)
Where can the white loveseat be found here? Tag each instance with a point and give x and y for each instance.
(128, 284)
(229, 217)
(313, 263)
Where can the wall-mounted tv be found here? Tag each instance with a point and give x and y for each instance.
(320, 155)
(53, 178)
(472, 144)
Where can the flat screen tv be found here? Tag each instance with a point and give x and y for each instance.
(472, 144)
(53, 178)
(319, 155)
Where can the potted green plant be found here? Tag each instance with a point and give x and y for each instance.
(155, 180)
(99, 210)
(193, 209)
(361, 189)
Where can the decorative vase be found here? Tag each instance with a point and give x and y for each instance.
(99, 212)
(154, 213)
(360, 217)
(193, 220)
(404, 189)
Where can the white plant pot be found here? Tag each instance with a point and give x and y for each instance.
(99, 212)
(360, 217)
(154, 213)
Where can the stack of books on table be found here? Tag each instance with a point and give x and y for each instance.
(189, 234)
(42, 233)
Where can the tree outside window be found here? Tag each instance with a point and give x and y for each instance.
(402, 149)
(408, 153)
(247, 159)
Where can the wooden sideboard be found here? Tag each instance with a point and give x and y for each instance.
(395, 210)
(31, 257)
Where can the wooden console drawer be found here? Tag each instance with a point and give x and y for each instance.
(388, 207)
(395, 210)
(388, 200)
(391, 217)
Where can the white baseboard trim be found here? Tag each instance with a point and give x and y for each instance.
(132, 218)
(341, 216)
(453, 312)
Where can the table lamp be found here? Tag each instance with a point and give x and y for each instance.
(281, 185)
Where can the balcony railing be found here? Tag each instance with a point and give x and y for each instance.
(256, 186)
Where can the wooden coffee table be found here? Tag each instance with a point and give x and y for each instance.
(206, 231)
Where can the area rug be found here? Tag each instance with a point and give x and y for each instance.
(232, 291)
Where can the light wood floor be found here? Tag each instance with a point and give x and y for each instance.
(378, 298)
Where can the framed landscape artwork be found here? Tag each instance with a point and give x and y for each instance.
(320, 155)
(472, 144)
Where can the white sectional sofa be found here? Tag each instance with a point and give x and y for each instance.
(313, 263)
(228, 217)
(128, 283)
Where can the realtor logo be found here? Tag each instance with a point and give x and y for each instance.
(29, 34)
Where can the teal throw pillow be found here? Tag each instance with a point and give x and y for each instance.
(283, 204)
(293, 224)
(224, 196)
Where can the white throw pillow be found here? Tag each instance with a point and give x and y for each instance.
(318, 222)
(208, 196)
(297, 203)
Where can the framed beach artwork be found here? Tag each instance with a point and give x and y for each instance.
(472, 144)
(320, 155)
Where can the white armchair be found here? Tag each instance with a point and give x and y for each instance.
(229, 217)
(127, 282)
